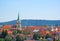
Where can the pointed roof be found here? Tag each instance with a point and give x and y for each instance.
(18, 15)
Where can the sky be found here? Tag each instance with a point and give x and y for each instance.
(29, 9)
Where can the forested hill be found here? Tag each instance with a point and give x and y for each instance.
(33, 22)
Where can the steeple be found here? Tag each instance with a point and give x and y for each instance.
(18, 23)
(18, 16)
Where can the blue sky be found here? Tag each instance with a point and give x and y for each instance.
(29, 9)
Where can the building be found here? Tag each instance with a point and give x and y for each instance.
(19, 23)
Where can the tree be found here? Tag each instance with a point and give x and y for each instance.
(4, 33)
(19, 31)
(37, 36)
(19, 38)
(15, 32)
(47, 36)
(43, 39)
(1, 39)
(26, 32)
(8, 38)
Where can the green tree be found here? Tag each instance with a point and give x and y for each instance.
(26, 32)
(2, 39)
(37, 36)
(4, 34)
(15, 32)
(43, 39)
(20, 38)
(19, 31)
(8, 38)
(47, 36)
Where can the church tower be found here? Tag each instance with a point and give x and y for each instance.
(18, 23)
(52, 28)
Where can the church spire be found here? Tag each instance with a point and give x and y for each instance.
(18, 22)
(18, 15)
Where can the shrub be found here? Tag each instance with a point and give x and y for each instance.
(19, 38)
(2, 39)
(8, 38)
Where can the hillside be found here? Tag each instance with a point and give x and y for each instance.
(34, 22)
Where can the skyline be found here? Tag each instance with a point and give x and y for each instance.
(29, 9)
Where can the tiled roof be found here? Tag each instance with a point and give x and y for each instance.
(7, 26)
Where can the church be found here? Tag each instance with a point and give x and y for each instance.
(11, 28)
